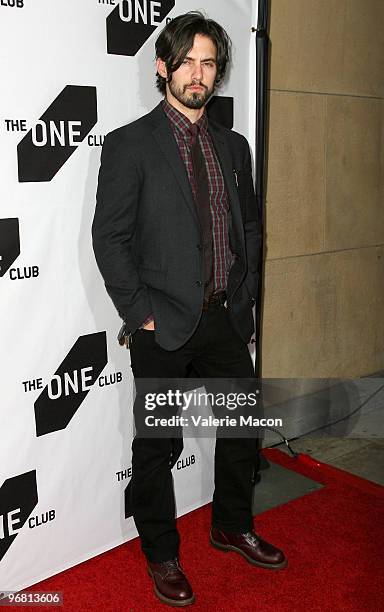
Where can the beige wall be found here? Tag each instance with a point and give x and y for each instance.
(324, 278)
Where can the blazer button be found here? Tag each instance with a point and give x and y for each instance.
(199, 283)
(199, 246)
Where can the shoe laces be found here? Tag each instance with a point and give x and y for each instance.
(252, 537)
(171, 565)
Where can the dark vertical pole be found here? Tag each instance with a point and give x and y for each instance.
(262, 60)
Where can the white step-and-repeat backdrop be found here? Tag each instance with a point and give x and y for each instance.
(71, 71)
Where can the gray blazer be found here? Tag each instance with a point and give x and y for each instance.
(146, 235)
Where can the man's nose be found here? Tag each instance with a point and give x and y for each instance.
(197, 71)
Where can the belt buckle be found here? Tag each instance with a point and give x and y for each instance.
(218, 299)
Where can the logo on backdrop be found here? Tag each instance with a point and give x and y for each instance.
(132, 22)
(9, 243)
(18, 497)
(57, 134)
(71, 383)
(220, 109)
(12, 3)
(120, 476)
(185, 462)
(128, 511)
(10, 251)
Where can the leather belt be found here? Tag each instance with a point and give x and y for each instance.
(216, 299)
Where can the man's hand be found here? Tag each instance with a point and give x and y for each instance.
(150, 325)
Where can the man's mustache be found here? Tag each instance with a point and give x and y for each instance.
(195, 84)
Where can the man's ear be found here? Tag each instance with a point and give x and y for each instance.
(161, 68)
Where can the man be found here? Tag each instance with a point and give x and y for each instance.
(177, 239)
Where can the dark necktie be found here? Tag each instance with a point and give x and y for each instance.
(203, 208)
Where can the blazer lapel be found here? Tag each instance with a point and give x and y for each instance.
(168, 145)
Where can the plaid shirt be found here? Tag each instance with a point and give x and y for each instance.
(219, 207)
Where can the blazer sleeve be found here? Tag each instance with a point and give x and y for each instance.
(113, 230)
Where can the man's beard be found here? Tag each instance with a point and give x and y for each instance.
(195, 99)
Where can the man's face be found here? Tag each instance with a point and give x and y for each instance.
(194, 82)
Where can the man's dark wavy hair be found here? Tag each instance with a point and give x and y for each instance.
(176, 39)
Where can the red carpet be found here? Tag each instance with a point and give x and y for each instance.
(333, 538)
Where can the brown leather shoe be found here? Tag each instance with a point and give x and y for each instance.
(251, 546)
(170, 583)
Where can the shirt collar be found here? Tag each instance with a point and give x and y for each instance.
(181, 121)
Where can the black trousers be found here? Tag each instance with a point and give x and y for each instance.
(214, 351)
